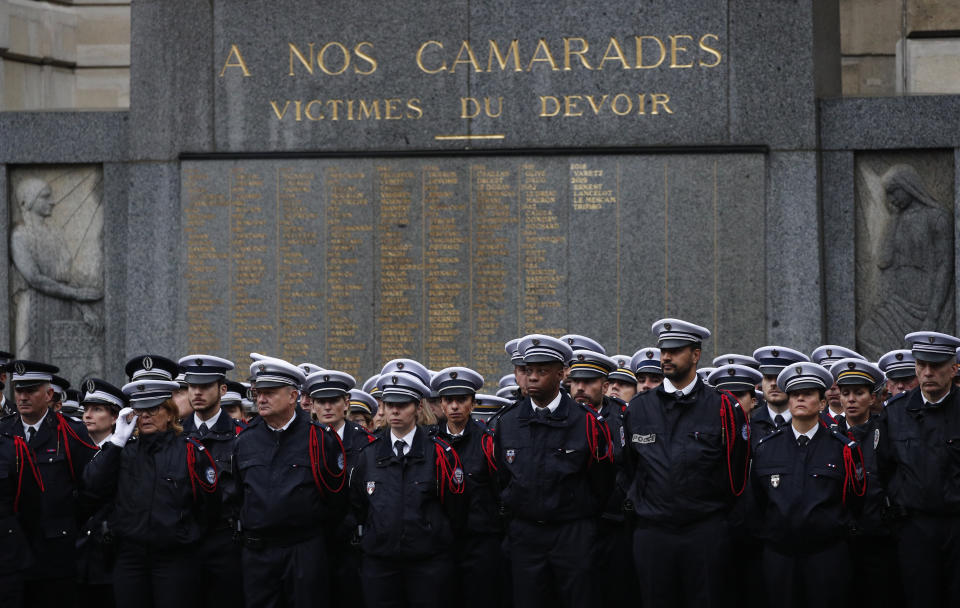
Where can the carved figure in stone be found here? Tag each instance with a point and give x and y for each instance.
(57, 288)
(915, 263)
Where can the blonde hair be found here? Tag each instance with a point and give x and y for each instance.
(170, 407)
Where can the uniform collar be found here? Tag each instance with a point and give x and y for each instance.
(671, 389)
(809, 434)
(35, 427)
(552, 406)
(774, 413)
(210, 423)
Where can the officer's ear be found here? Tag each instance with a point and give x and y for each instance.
(696, 355)
(223, 388)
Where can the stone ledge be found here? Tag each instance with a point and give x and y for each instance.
(876, 123)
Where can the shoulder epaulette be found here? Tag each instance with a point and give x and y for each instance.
(589, 410)
(896, 397)
(773, 433)
(195, 442)
(842, 437)
(7, 416)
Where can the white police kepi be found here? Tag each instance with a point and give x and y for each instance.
(799, 376)
(898, 364)
(704, 373)
(407, 366)
(234, 394)
(829, 354)
(932, 346)
(735, 377)
(674, 333)
(854, 370)
(513, 351)
(508, 392)
(151, 366)
(590, 364)
(456, 381)
(508, 380)
(145, 394)
(646, 361)
(101, 392)
(577, 342)
(773, 359)
(370, 386)
(270, 372)
(60, 386)
(204, 369)
(362, 401)
(622, 371)
(328, 383)
(734, 359)
(25, 374)
(309, 368)
(538, 348)
(400, 387)
(489, 404)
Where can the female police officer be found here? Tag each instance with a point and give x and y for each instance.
(162, 484)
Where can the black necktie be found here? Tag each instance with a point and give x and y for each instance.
(399, 445)
(778, 420)
(203, 429)
(839, 418)
(30, 434)
(803, 440)
(542, 413)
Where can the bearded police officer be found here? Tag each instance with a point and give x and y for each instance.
(919, 463)
(555, 469)
(206, 378)
(687, 454)
(291, 477)
(49, 513)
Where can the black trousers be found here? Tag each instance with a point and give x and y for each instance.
(145, 577)
(479, 563)
(619, 586)
(929, 552)
(687, 566)
(295, 576)
(875, 560)
(815, 580)
(407, 583)
(346, 587)
(11, 586)
(553, 563)
(220, 570)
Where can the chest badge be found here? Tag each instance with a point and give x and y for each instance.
(340, 461)
(511, 456)
(211, 475)
(644, 439)
(775, 481)
(876, 438)
(458, 476)
(623, 439)
(371, 486)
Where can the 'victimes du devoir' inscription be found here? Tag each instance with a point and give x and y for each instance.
(347, 263)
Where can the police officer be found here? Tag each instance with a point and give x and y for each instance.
(555, 472)
(363, 407)
(875, 578)
(487, 407)
(687, 454)
(588, 374)
(291, 476)
(622, 382)
(806, 482)
(646, 367)
(478, 542)
(519, 369)
(61, 448)
(232, 404)
(739, 380)
(826, 356)
(329, 392)
(900, 370)
(16, 461)
(219, 555)
(6, 408)
(406, 497)
(776, 411)
(164, 487)
(917, 453)
(102, 403)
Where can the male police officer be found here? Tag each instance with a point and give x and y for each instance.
(919, 463)
(687, 454)
(206, 378)
(556, 472)
(900, 369)
(772, 359)
(290, 472)
(646, 367)
(61, 448)
(6, 408)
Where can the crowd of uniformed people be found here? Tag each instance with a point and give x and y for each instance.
(770, 479)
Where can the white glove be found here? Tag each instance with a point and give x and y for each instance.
(126, 422)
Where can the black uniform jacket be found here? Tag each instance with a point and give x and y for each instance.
(276, 478)
(483, 512)
(918, 453)
(398, 502)
(799, 490)
(50, 518)
(677, 454)
(219, 442)
(15, 551)
(547, 469)
(157, 501)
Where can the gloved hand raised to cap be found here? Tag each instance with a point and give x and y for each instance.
(126, 422)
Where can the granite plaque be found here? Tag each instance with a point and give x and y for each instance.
(350, 262)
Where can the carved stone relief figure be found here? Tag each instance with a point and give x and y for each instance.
(56, 249)
(911, 263)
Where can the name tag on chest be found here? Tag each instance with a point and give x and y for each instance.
(642, 439)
